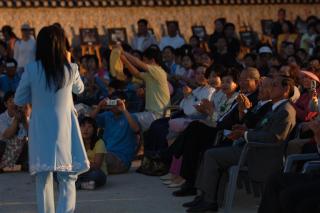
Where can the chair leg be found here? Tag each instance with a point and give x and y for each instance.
(231, 188)
(257, 189)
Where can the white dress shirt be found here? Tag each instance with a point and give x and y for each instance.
(174, 42)
(24, 52)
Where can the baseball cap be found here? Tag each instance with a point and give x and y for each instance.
(265, 49)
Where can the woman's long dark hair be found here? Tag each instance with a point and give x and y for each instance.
(94, 138)
(51, 52)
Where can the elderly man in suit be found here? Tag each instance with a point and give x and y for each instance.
(274, 128)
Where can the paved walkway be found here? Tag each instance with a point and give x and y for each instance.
(128, 193)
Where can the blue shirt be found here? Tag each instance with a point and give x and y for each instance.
(118, 136)
(7, 84)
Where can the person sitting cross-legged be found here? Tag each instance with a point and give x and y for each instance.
(119, 135)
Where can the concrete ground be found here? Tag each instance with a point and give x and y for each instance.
(127, 193)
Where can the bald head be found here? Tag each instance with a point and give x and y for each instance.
(249, 80)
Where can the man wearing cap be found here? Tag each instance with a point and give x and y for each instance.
(24, 49)
(265, 54)
(10, 80)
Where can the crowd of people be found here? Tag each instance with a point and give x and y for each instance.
(174, 98)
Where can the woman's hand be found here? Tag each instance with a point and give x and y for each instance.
(205, 107)
(186, 91)
(243, 102)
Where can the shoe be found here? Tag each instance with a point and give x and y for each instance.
(88, 185)
(195, 202)
(166, 177)
(157, 168)
(145, 166)
(177, 185)
(167, 182)
(185, 191)
(204, 206)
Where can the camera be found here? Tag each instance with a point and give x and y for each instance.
(112, 102)
(313, 85)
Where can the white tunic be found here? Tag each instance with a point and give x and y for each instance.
(55, 142)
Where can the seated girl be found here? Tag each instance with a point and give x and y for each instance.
(95, 148)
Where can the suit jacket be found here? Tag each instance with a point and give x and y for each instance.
(252, 118)
(275, 126)
(232, 116)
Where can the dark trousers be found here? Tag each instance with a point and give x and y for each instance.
(291, 193)
(191, 144)
(155, 139)
(23, 158)
(2, 148)
(96, 175)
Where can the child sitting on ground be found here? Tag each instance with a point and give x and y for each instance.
(95, 148)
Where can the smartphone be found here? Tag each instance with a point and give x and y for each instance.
(313, 85)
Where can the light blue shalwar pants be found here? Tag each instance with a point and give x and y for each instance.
(45, 192)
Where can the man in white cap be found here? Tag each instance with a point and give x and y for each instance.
(265, 54)
(24, 49)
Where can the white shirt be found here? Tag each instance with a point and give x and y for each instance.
(5, 123)
(174, 42)
(141, 43)
(187, 104)
(275, 105)
(24, 52)
(262, 103)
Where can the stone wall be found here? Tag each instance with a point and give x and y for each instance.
(127, 16)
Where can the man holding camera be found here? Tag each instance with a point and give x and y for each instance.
(120, 133)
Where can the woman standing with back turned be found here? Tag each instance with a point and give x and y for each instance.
(55, 143)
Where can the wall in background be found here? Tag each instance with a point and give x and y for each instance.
(107, 17)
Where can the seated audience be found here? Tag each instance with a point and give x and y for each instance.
(199, 136)
(274, 128)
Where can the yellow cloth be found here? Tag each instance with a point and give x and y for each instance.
(286, 37)
(116, 65)
(99, 148)
(157, 89)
